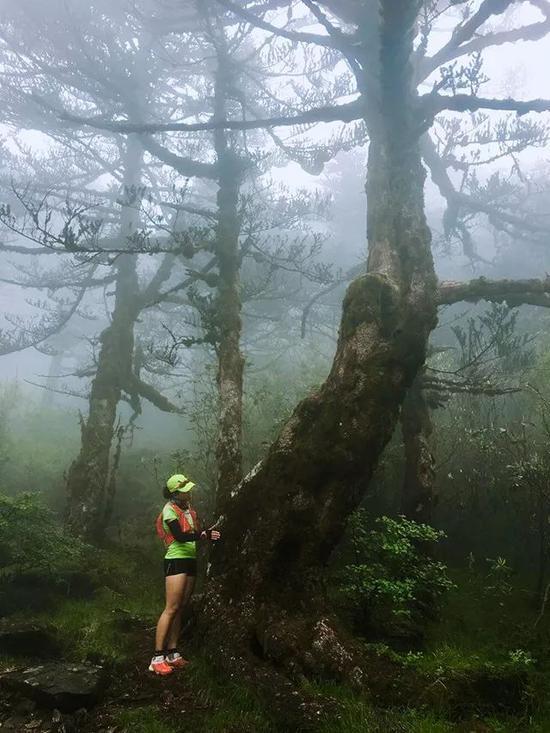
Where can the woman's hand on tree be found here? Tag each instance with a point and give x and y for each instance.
(210, 534)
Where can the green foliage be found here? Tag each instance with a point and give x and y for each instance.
(9, 397)
(493, 337)
(37, 443)
(450, 660)
(393, 584)
(521, 658)
(498, 578)
(33, 543)
(492, 451)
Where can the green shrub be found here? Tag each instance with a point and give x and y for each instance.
(33, 544)
(390, 581)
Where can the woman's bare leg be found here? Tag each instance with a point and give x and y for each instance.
(175, 626)
(175, 589)
(188, 590)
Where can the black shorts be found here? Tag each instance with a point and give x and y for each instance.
(180, 565)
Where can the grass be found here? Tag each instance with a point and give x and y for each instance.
(201, 699)
(7, 661)
(92, 628)
(144, 720)
(87, 629)
(233, 705)
(479, 631)
(356, 714)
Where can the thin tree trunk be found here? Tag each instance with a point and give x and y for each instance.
(418, 496)
(283, 521)
(56, 361)
(230, 359)
(89, 475)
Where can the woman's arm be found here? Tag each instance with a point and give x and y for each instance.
(179, 536)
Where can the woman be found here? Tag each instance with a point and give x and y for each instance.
(179, 527)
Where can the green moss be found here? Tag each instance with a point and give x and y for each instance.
(369, 298)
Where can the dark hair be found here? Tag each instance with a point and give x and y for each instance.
(166, 492)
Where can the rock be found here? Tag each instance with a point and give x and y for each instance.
(60, 685)
(28, 639)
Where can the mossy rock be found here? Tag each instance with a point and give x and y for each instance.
(62, 686)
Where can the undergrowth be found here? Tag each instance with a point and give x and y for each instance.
(478, 632)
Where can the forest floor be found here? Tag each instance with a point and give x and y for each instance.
(484, 668)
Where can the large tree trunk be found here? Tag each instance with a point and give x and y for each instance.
(230, 359)
(89, 479)
(418, 496)
(283, 521)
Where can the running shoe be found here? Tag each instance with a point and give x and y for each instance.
(161, 668)
(176, 661)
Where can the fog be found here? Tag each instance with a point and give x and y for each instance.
(295, 255)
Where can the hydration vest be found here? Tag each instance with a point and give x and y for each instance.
(184, 523)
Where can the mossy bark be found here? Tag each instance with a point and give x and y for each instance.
(284, 519)
(88, 477)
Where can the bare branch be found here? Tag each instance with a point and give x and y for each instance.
(168, 295)
(38, 333)
(433, 104)
(466, 31)
(464, 386)
(153, 396)
(336, 113)
(456, 200)
(162, 274)
(185, 166)
(297, 36)
(512, 292)
(66, 392)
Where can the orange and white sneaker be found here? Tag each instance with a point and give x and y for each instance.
(159, 666)
(175, 660)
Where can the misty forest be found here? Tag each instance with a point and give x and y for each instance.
(277, 270)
